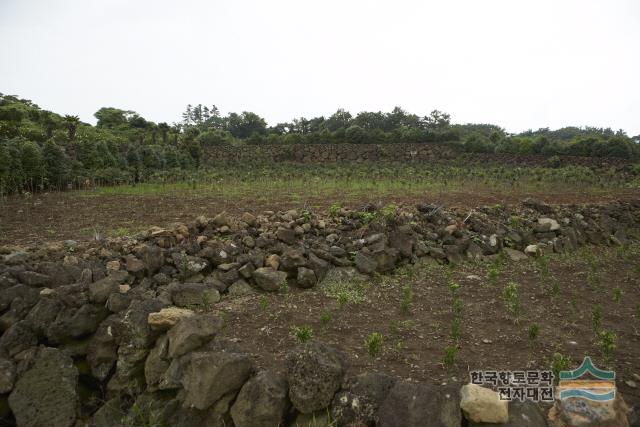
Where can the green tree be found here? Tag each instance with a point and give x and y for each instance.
(111, 118)
(355, 135)
(341, 119)
(32, 164)
(56, 165)
(246, 124)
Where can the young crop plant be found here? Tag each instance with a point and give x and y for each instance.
(555, 287)
(373, 344)
(456, 329)
(325, 318)
(596, 318)
(407, 298)
(302, 333)
(574, 304)
(493, 274)
(457, 307)
(512, 300)
(284, 287)
(559, 363)
(449, 358)
(264, 303)
(453, 286)
(607, 343)
(533, 332)
(543, 265)
(617, 294)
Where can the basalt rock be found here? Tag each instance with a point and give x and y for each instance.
(262, 402)
(46, 394)
(314, 373)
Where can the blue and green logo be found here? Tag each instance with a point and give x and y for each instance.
(587, 382)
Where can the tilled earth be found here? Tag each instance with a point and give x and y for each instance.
(560, 299)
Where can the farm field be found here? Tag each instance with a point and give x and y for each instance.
(391, 265)
(125, 209)
(440, 322)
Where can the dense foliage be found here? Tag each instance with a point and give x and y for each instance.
(41, 150)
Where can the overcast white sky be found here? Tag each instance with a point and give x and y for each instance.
(516, 63)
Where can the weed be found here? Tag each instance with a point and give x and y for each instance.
(533, 332)
(302, 333)
(334, 210)
(367, 217)
(146, 416)
(206, 301)
(373, 344)
(120, 232)
(345, 292)
(389, 211)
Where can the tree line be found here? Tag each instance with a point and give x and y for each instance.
(42, 150)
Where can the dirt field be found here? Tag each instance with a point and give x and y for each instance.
(564, 299)
(561, 302)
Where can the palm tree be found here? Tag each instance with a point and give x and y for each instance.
(72, 125)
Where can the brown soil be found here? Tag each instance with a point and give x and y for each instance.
(78, 215)
(414, 342)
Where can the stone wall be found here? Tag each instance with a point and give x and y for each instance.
(425, 152)
(125, 331)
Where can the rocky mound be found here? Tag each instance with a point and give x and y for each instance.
(124, 331)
